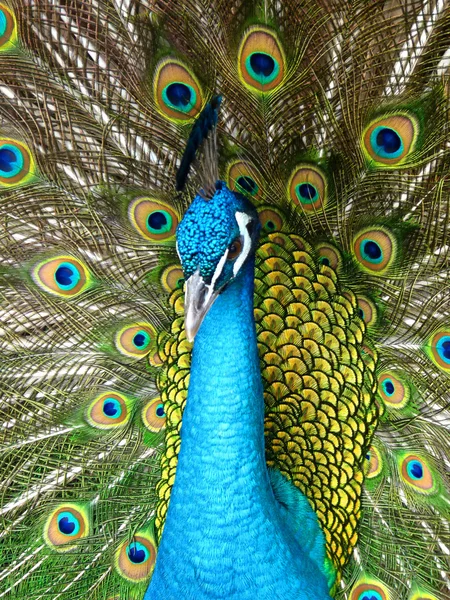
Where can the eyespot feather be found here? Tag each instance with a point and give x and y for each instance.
(389, 140)
(136, 340)
(261, 60)
(154, 415)
(63, 276)
(271, 219)
(153, 219)
(177, 92)
(370, 589)
(136, 558)
(16, 161)
(243, 178)
(108, 410)
(375, 249)
(8, 28)
(66, 524)
(307, 188)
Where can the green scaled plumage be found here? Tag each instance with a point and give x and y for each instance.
(351, 289)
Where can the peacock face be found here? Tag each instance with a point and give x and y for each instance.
(214, 240)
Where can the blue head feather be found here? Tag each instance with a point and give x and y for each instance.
(208, 229)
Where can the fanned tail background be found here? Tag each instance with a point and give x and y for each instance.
(334, 120)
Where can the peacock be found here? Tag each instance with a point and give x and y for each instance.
(224, 279)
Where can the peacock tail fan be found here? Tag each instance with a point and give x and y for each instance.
(334, 122)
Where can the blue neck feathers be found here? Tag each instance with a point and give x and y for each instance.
(224, 418)
(225, 534)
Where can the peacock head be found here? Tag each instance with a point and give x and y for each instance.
(214, 240)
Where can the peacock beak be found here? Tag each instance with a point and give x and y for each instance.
(199, 297)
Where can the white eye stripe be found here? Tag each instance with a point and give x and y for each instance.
(210, 286)
(218, 271)
(242, 220)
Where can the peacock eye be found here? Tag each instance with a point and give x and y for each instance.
(67, 523)
(234, 249)
(262, 64)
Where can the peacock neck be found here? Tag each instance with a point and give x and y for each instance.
(224, 536)
(224, 418)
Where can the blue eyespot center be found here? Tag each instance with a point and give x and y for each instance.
(7, 160)
(112, 408)
(247, 184)
(141, 340)
(443, 348)
(307, 193)
(67, 276)
(415, 469)
(179, 94)
(386, 142)
(3, 23)
(262, 64)
(389, 140)
(159, 221)
(368, 456)
(388, 387)
(324, 261)
(68, 524)
(371, 251)
(137, 553)
(370, 595)
(262, 67)
(446, 350)
(160, 412)
(270, 225)
(11, 160)
(361, 313)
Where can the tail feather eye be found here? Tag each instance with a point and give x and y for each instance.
(248, 184)
(8, 29)
(375, 250)
(374, 464)
(63, 276)
(417, 474)
(172, 278)
(393, 390)
(177, 91)
(154, 415)
(69, 522)
(271, 220)
(244, 178)
(307, 188)
(369, 591)
(261, 60)
(135, 560)
(16, 162)
(108, 411)
(388, 141)
(135, 340)
(438, 349)
(153, 219)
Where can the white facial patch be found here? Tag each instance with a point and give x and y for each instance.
(242, 220)
(218, 271)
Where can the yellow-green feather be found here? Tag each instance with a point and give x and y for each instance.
(319, 392)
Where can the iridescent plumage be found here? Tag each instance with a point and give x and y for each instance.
(334, 126)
